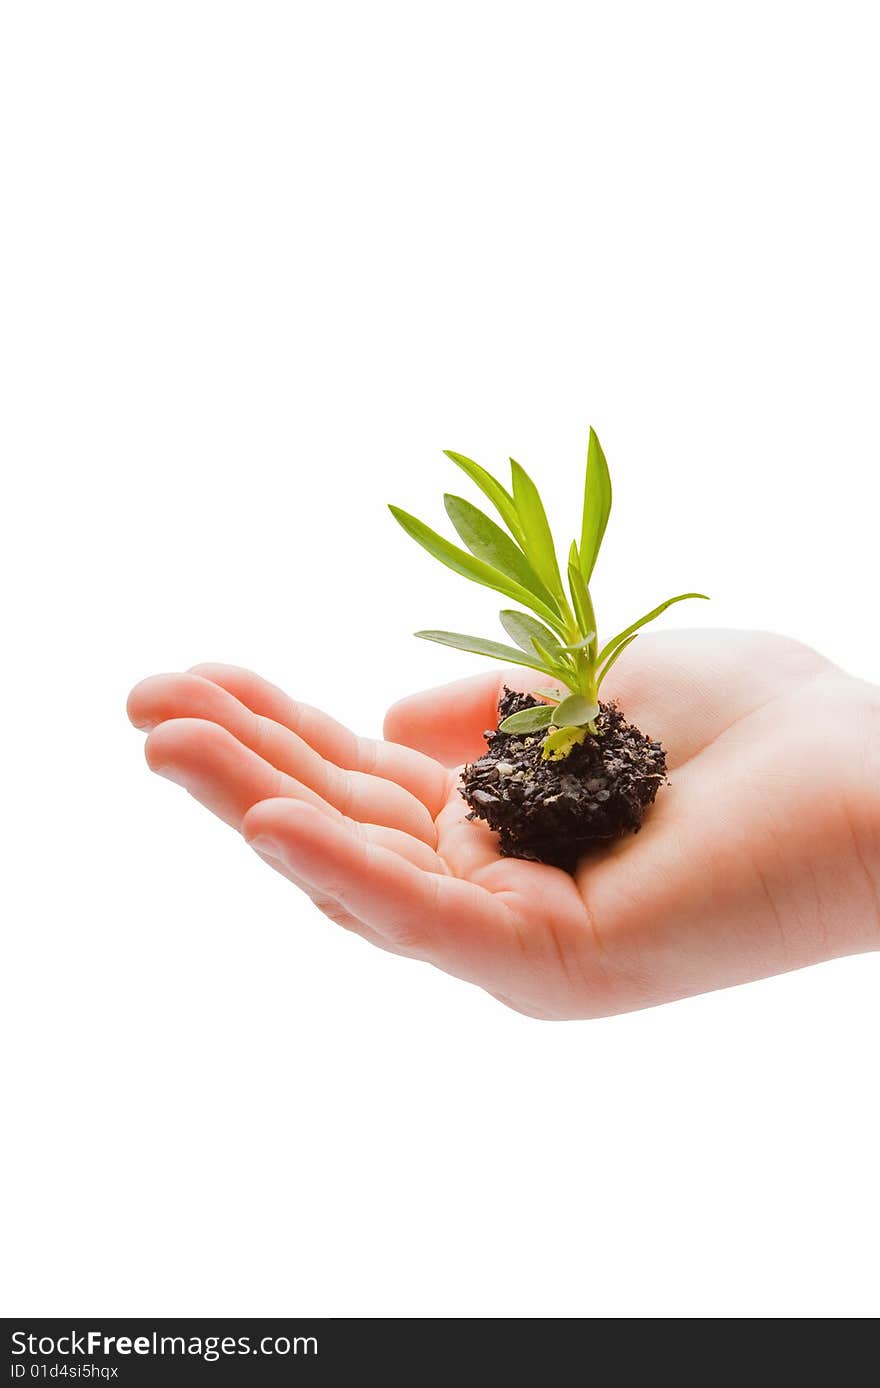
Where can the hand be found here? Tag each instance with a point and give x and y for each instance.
(762, 855)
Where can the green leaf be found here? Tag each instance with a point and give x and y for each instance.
(560, 668)
(526, 630)
(528, 720)
(538, 539)
(498, 495)
(575, 712)
(466, 564)
(532, 636)
(559, 743)
(548, 694)
(618, 640)
(613, 656)
(479, 645)
(579, 645)
(583, 603)
(597, 506)
(487, 541)
(556, 664)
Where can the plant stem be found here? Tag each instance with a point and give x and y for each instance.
(586, 675)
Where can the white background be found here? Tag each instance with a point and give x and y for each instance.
(261, 263)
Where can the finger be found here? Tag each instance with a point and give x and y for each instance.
(454, 924)
(369, 798)
(448, 723)
(228, 778)
(467, 846)
(331, 740)
(328, 907)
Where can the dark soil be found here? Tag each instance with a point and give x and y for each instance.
(554, 811)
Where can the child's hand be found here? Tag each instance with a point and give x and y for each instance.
(762, 855)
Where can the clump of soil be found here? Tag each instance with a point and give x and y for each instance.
(554, 811)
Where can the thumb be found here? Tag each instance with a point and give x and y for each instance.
(448, 723)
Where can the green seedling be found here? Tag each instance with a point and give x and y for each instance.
(558, 633)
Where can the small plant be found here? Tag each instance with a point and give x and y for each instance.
(558, 635)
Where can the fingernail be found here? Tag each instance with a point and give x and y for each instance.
(177, 774)
(269, 847)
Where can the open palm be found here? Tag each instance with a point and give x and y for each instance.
(762, 855)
